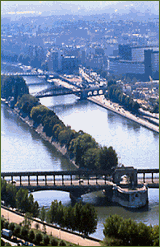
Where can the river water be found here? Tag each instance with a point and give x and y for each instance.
(23, 150)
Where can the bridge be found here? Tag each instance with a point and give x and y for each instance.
(82, 93)
(30, 74)
(77, 183)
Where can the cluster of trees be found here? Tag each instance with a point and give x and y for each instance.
(115, 94)
(13, 86)
(126, 232)
(26, 103)
(18, 199)
(81, 218)
(32, 235)
(81, 146)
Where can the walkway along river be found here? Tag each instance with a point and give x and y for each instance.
(24, 150)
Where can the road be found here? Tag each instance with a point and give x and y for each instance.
(56, 232)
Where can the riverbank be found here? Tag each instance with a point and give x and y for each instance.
(114, 107)
(60, 233)
(39, 129)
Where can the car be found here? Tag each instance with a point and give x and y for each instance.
(80, 180)
(13, 181)
(26, 243)
(30, 244)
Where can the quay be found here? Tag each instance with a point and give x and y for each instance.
(110, 106)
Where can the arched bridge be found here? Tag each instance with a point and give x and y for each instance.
(78, 182)
(82, 93)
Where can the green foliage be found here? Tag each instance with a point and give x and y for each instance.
(27, 220)
(38, 238)
(115, 93)
(11, 226)
(155, 235)
(54, 241)
(13, 86)
(46, 240)
(42, 213)
(129, 233)
(38, 112)
(27, 102)
(62, 243)
(8, 193)
(26, 203)
(82, 144)
(81, 218)
(17, 230)
(24, 232)
(106, 159)
(31, 235)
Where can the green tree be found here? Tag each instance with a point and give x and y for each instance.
(111, 226)
(31, 235)
(13, 86)
(11, 226)
(17, 230)
(155, 235)
(54, 242)
(27, 102)
(107, 159)
(52, 212)
(27, 222)
(90, 158)
(46, 240)
(38, 238)
(24, 232)
(83, 142)
(88, 219)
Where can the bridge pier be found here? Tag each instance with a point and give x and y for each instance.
(45, 180)
(71, 179)
(54, 179)
(20, 179)
(28, 180)
(144, 177)
(37, 180)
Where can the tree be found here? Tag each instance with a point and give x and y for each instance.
(111, 226)
(88, 219)
(31, 235)
(77, 217)
(155, 235)
(38, 238)
(52, 212)
(42, 213)
(24, 232)
(13, 86)
(22, 199)
(90, 158)
(82, 143)
(17, 230)
(11, 226)
(27, 220)
(27, 102)
(45, 240)
(106, 159)
(54, 242)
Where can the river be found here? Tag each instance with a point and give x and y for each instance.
(23, 150)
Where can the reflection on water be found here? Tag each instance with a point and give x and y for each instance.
(24, 150)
